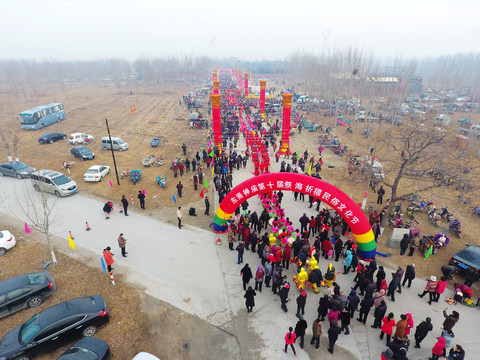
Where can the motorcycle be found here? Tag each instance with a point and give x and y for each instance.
(350, 130)
(456, 227)
(445, 214)
(434, 217)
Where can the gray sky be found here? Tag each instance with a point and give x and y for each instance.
(246, 29)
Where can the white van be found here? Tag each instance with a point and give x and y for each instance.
(442, 118)
(53, 182)
(118, 143)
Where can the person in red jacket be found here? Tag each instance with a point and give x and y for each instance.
(108, 256)
(441, 286)
(287, 254)
(289, 340)
(387, 327)
(246, 237)
(311, 225)
(438, 349)
(326, 247)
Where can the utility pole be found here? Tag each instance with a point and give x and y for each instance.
(113, 154)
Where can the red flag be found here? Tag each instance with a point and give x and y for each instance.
(201, 194)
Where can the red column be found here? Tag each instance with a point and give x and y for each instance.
(240, 82)
(287, 112)
(215, 76)
(216, 85)
(246, 84)
(217, 125)
(263, 84)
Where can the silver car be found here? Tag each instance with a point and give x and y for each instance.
(53, 182)
(16, 169)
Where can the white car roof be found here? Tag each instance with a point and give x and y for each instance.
(145, 356)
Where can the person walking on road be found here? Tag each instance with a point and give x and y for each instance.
(241, 250)
(422, 330)
(179, 217)
(125, 205)
(122, 242)
(387, 327)
(108, 256)
(289, 340)
(438, 349)
(207, 206)
(141, 197)
(333, 333)
(409, 275)
(246, 273)
(300, 331)
(430, 289)
(317, 332)
(250, 299)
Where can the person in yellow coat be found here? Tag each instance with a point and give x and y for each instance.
(330, 275)
(312, 264)
(302, 278)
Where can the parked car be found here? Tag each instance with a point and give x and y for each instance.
(82, 152)
(16, 169)
(51, 137)
(7, 241)
(145, 356)
(96, 173)
(80, 138)
(88, 348)
(468, 258)
(53, 182)
(117, 143)
(28, 290)
(54, 327)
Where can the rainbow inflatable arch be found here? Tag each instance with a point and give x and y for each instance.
(308, 185)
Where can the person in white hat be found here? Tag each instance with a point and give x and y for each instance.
(430, 289)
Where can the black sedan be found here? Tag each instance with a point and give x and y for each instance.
(25, 290)
(467, 259)
(51, 137)
(82, 152)
(16, 169)
(89, 348)
(54, 327)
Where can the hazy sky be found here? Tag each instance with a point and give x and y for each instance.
(246, 29)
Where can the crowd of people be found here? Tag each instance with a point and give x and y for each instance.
(284, 244)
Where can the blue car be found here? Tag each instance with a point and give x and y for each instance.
(82, 152)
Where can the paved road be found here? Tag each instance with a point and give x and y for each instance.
(186, 268)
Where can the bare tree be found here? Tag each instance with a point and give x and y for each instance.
(39, 209)
(419, 157)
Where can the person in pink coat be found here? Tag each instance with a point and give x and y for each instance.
(409, 323)
(438, 349)
(289, 340)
